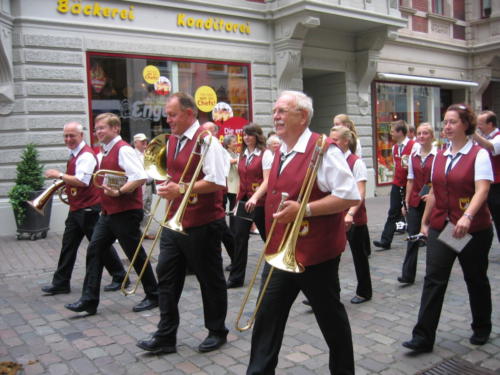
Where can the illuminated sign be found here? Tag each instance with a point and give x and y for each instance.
(212, 23)
(94, 9)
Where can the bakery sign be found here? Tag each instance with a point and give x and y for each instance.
(94, 9)
(212, 23)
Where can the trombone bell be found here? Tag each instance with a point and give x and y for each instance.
(285, 260)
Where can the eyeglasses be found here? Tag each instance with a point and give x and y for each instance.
(451, 122)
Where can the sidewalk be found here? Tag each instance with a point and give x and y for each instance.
(39, 333)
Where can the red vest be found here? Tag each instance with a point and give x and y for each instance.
(81, 197)
(454, 192)
(250, 177)
(124, 202)
(360, 217)
(400, 172)
(495, 163)
(421, 177)
(202, 208)
(322, 237)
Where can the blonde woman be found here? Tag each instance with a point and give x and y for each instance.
(344, 120)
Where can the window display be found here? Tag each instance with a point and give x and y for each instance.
(412, 103)
(136, 88)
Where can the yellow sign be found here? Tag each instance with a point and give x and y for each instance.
(205, 98)
(212, 23)
(76, 8)
(151, 74)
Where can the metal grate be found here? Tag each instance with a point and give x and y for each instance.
(455, 366)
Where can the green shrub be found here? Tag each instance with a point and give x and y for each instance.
(29, 178)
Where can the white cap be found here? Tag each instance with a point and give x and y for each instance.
(140, 137)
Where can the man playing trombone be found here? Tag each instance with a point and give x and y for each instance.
(83, 199)
(198, 247)
(120, 218)
(321, 238)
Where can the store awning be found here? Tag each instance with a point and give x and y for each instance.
(430, 80)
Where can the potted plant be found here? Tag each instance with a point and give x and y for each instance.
(28, 185)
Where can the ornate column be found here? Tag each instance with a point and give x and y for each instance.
(6, 67)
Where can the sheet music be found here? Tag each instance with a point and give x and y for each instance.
(457, 244)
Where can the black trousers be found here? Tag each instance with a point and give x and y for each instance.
(474, 262)
(494, 206)
(200, 251)
(78, 224)
(241, 230)
(123, 226)
(393, 215)
(358, 236)
(414, 220)
(320, 284)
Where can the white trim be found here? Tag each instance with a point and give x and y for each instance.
(420, 79)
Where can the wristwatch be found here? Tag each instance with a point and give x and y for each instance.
(182, 188)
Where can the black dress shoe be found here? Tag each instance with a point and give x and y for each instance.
(478, 339)
(358, 299)
(417, 346)
(383, 246)
(79, 306)
(402, 280)
(145, 304)
(156, 346)
(51, 289)
(234, 284)
(115, 285)
(212, 342)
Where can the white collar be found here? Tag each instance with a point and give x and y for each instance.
(191, 131)
(255, 152)
(301, 144)
(76, 150)
(106, 148)
(464, 150)
(432, 152)
(347, 153)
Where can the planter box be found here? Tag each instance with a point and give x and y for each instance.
(35, 225)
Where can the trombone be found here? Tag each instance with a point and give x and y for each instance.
(154, 163)
(285, 259)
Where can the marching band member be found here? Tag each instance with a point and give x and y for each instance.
(319, 246)
(120, 218)
(200, 248)
(419, 175)
(355, 218)
(253, 170)
(461, 177)
(83, 213)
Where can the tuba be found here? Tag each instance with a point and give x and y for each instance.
(39, 202)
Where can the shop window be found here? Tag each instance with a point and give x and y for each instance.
(485, 8)
(393, 101)
(136, 88)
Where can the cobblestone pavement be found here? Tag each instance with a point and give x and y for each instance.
(39, 333)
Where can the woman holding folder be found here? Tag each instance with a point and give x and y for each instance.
(253, 169)
(461, 177)
(417, 192)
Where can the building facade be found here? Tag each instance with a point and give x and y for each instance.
(375, 60)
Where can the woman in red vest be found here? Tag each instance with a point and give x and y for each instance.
(417, 188)
(355, 217)
(253, 168)
(461, 177)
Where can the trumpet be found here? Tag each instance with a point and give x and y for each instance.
(110, 178)
(40, 202)
(285, 259)
(154, 162)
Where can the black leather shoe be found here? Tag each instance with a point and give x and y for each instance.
(156, 346)
(145, 304)
(478, 339)
(115, 285)
(212, 342)
(417, 346)
(402, 280)
(51, 289)
(358, 299)
(383, 246)
(80, 306)
(229, 267)
(234, 284)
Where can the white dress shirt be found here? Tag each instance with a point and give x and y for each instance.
(495, 141)
(85, 164)
(216, 163)
(127, 160)
(359, 169)
(334, 175)
(267, 158)
(433, 151)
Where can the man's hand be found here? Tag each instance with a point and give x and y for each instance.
(169, 190)
(348, 220)
(52, 173)
(288, 213)
(111, 192)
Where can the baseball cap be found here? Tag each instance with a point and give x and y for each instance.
(140, 137)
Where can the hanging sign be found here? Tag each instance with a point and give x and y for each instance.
(205, 98)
